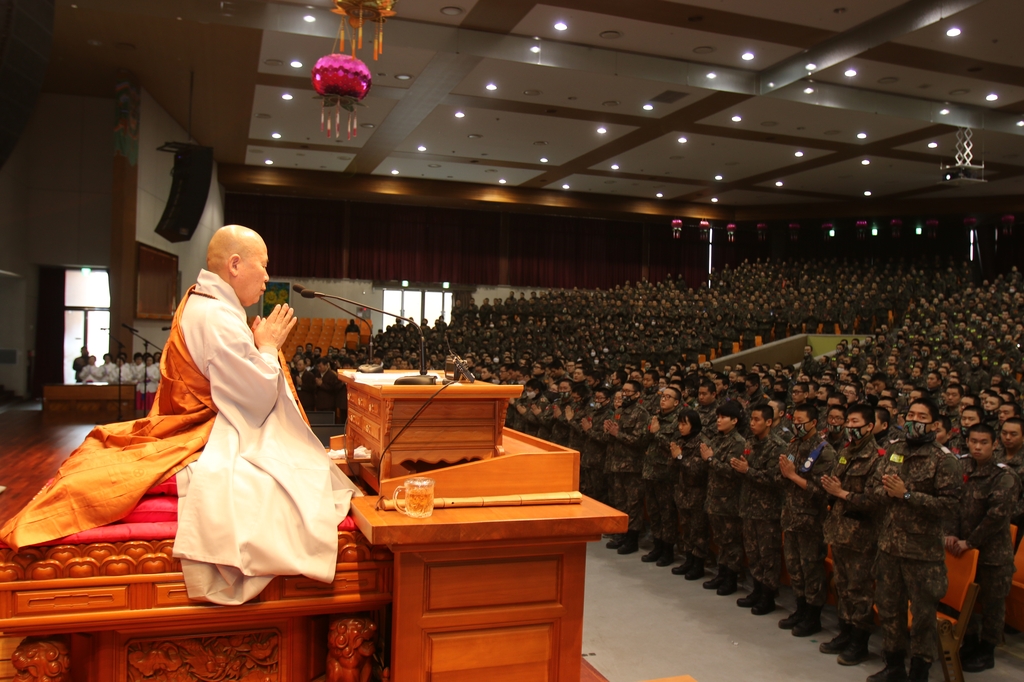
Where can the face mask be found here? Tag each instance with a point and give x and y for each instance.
(531, 394)
(916, 430)
(854, 435)
(835, 429)
(802, 430)
(565, 395)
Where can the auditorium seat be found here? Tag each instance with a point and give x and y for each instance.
(351, 340)
(960, 597)
(1015, 602)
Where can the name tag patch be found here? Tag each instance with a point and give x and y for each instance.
(842, 460)
(896, 458)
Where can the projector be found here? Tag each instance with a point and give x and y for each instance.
(962, 174)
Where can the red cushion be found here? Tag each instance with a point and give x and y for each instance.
(157, 509)
(168, 487)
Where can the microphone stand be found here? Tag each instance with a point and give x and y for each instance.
(422, 379)
(145, 369)
(120, 349)
(369, 367)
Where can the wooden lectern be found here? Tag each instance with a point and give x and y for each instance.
(486, 593)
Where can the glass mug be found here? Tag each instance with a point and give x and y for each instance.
(419, 497)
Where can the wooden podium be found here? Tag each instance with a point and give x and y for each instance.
(486, 593)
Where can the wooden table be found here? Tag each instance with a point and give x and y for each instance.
(491, 593)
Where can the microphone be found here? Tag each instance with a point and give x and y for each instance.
(165, 329)
(133, 330)
(368, 368)
(422, 379)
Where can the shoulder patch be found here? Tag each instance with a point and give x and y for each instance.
(896, 458)
(945, 449)
(1002, 465)
(842, 460)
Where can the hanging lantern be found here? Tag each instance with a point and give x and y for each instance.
(360, 11)
(794, 231)
(730, 232)
(677, 228)
(1007, 222)
(932, 227)
(341, 81)
(862, 226)
(705, 229)
(762, 232)
(897, 225)
(828, 230)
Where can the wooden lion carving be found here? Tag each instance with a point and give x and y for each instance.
(41, 660)
(350, 647)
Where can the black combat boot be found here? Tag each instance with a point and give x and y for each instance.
(717, 581)
(654, 554)
(969, 646)
(766, 605)
(668, 554)
(616, 541)
(839, 642)
(856, 650)
(895, 668)
(788, 622)
(752, 598)
(919, 669)
(631, 543)
(982, 658)
(683, 568)
(811, 624)
(696, 571)
(728, 585)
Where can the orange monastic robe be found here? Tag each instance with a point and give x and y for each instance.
(104, 479)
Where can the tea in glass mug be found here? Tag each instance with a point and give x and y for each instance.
(419, 498)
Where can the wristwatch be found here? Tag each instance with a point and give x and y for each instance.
(906, 496)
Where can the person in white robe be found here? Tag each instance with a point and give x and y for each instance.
(263, 499)
(91, 373)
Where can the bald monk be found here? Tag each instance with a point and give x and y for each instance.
(258, 496)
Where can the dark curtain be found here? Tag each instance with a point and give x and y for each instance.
(49, 363)
(566, 252)
(686, 256)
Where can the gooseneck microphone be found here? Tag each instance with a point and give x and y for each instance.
(422, 379)
(368, 368)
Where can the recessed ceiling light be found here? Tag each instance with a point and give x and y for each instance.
(747, 56)
(865, 162)
(867, 192)
(648, 107)
(850, 73)
(808, 91)
(714, 200)
(565, 186)
(421, 148)
(811, 67)
(798, 154)
(703, 49)
(296, 64)
(543, 159)
(309, 18)
(560, 26)
(532, 93)
(535, 49)
(540, 143)
(273, 62)
(276, 136)
(610, 35)
(365, 125)
(943, 112)
(712, 75)
(394, 171)
(491, 86)
(933, 145)
(501, 181)
(615, 166)
(737, 118)
(659, 195)
(862, 136)
(403, 76)
(433, 165)
(718, 177)
(778, 183)
(286, 96)
(459, 114)
(953, 32)
(1020, 124)
(602, 131)
(681, 140)
(451, 11)
(992, 97)
(269, 162)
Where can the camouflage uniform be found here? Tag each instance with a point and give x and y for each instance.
(760, 509)
(527, 423)
(658, 479)
(723, 499)
(690, 496)
(708, 417)
(803, 513)
(911, 558)
(851, 530)
(989, 499)
(625, 462)
(592, 447)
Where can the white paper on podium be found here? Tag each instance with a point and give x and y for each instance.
(386, 378)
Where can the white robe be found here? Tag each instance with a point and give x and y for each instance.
(263, 499)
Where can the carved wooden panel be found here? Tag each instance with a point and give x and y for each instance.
(243, 657)
(41, 659)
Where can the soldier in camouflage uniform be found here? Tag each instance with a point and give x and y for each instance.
(690, 495)
(555, 414)
(587, 436)
(626, 433)
(919, 486)
(723, 497)
(851, 530)
(803, 512)
(1011, 436)
(707, 404)
(658, 475)
(760, 509)
(523, 407)
(989, 500)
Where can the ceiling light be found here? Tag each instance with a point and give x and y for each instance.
(953, 32)
(394, 171)
(1020, 124)
(491, 86)
(867, 192)
(992, 97)
(862, 136)
(648, 107)
(602, 131)
(737, 118)
(943, 112)
(865, 162)
(501, 181)
(565, 186)
(874, 231)
(681, 140)
(659, 195)
(474, 136)
(850, 73)
(560, 26)
(798, 154)
(808, 91)
(269, 162)
(296, 64)
(718, 177)
(714, 200)
(421, 148)
(368, 126)
(286, 97)
(309, 18)
(276, 136)
(933, 145)
(615, 166)
(402, 76)
(543, 159)
(459, 114)
(747, 56)
(778, 183)
(535, 49)
(811, 67)
(451, 11)
(712, 75)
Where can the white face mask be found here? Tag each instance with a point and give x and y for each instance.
(531, 394)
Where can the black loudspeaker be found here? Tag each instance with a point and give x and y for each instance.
(193, 169)
(26, 35)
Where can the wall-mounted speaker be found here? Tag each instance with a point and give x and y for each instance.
(26, 35)
(190, 186)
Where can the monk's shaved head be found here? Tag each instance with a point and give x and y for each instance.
(239, 256)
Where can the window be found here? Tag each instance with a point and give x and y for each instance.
(419, 304)
(86, 317)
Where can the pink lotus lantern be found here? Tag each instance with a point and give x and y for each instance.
(762, 232)
(932, 227)
(730, 231)
(705, 229)
(794, 231)
(826, 229)
(342, 81)
(862, 226)
(677, 228)
(1007, 228)
(897, 225)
